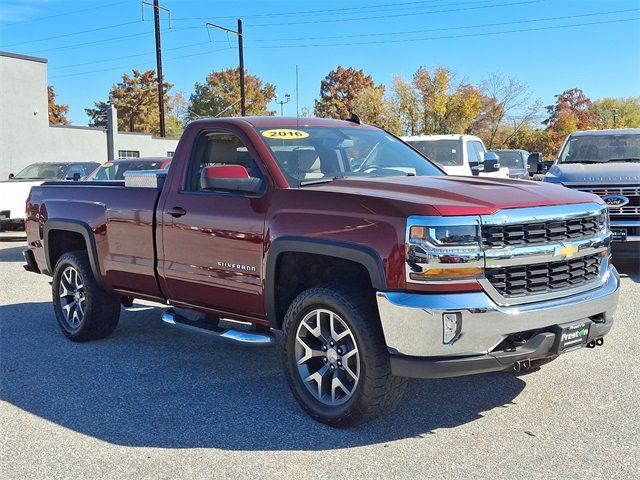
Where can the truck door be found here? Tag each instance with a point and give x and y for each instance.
(213, 229)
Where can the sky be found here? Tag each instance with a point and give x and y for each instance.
(552, 45)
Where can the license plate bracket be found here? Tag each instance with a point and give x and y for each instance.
(571, 336)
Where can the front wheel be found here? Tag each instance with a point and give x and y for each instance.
(335, 358)
(84, 310)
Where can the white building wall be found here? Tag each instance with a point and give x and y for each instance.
(25, 134)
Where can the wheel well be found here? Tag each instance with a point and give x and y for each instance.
(296, 272)
(61, 242)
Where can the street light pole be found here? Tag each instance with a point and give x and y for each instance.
(283, 102)
(238, 33)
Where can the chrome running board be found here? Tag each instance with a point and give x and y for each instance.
(241, 337)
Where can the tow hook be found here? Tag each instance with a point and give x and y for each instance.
(598, 342)
(521, 365)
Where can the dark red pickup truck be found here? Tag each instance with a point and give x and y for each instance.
(374, 264)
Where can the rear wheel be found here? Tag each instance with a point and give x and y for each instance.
(84, 310)
(335, 358)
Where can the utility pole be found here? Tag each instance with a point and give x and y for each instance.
(287, 97)
(156, 21)
(238, 33)
(615, 117)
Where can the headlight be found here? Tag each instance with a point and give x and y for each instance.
(443, 249)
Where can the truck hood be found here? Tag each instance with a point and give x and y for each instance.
(594, 173)
(452, 195)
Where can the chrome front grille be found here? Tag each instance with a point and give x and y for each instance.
(537, 233)
(631, 209)
(539, 278)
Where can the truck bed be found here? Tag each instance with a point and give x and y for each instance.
(121, 219)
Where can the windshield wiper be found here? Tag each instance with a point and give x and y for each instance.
(630, 159)
(584, 161)
(319, 181)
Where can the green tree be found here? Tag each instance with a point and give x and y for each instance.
(220, 95)
(625, 110)
(57, 112)
(136, 99)
(338, 92)
(407, 105)
(374, 108)
(445, 107)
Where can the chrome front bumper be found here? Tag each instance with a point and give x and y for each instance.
(412, 323)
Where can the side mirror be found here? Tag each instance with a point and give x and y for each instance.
(535, 164)
(491, 162)
(11, 175)
(229, 178)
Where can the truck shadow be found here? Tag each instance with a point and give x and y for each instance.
(150, 386)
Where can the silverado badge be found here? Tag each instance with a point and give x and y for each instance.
(566, 250)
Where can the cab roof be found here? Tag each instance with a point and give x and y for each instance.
(612, 131)
(286, 122)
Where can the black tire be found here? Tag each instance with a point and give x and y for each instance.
(101, 310)
(377, 390)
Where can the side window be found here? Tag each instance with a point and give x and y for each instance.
(472, 152)
(73, 169)
(480, 150)
(220, 162)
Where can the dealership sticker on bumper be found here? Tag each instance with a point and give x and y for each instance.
(573, 335)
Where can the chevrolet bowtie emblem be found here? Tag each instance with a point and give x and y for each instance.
(566, 250)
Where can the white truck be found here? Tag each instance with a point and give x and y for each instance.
(459, 154)
(15, 190)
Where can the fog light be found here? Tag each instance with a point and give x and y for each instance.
(451, 326)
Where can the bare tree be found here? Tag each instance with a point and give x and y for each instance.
(505, 98)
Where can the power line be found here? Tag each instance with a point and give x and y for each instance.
(109, 40)
(95, 42)
(465, 27)
(72, 33)
(62, 67)
(480, 34)
(316, 12)
(340, 20)
(138, 64)
(110, 4)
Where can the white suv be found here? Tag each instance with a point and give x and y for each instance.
(459, 154)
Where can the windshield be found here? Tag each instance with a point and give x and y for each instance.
(42, 171)
(115, 170)
(512, 159)
(316, 154)
(444, 152)
(602, 148)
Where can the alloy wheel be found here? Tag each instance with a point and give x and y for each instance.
(327, 357)
(72, 297)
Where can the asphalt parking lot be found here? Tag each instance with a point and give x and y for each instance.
(150, 402)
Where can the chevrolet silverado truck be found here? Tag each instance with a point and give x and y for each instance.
(373, 273)
(606, 163)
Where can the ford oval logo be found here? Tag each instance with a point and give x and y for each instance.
(615, 201)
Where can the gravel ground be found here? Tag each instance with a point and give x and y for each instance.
(150, 402)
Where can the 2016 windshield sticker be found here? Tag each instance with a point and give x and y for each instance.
(285, 134)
